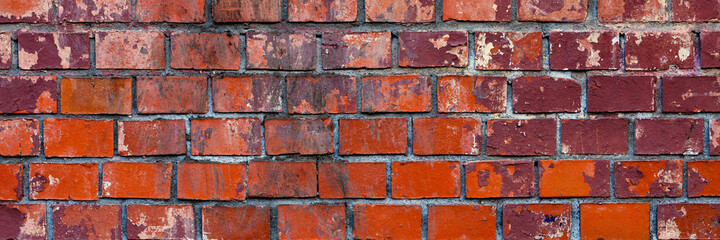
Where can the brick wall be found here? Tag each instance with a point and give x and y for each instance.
(367, 119)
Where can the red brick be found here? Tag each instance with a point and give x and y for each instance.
(696, 11)
(160, 222)
(26, 221)
(472, 94)
(594, 136)
(280, 51)
(516, 137)
(78, 138)
(621, 93)
(216, 136)
(137, 180)
(552, 11)
(429, 179)
(35, 11)
(574, 178)
(205, 51)
(669, 136)
(614, 221)
(584, 50)
(44, 50)
(441, 136)
(154, 137)
(246, 11)
(659, 50)
(282, 179)
(703, 178)
(470, 10)
(73, 181)
(715, 137)
(247, 94)
(373, 136)
(321, 94)
(402, 93)
(546, 95)
(662, 178)
(688, 221)
(11, 182)
(172, 95)
(537, 221)
(433, 49)
(184, 11)
(402, 11)
(311, 221)
(496, 179)
(709, 49)
(28, 94)
(93, 11)
(211, 181)
(5, 50)
(130, 50)
(352, 180)
(86, 222)
(461, 222)
(322, 11)
(19, 137)
(623, 11)
(375, 221)
(691, 94)
(356, 50)
(299, 136)
(221, 222)
(508, 50)
(96, 96)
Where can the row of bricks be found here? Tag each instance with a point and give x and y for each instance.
(367, 221)
(403, 11)
(588, 50)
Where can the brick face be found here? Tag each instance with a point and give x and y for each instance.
(472, 94)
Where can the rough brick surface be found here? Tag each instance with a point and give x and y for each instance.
(38, 11)
(282, 179)
(93, 11)
(545, 94)
(322, 94)
(442, 136)
(508, 50)
(401, 11)
(433, 49)
(406, 93)
(658, 50)
(594, 136)
(496, 179)
(311, 221)
(523, 221)
(322, 10)
(172, 95)
(221, 222)
(28, 94)
(5, 50)
(623, 11)
(96, 95)
(11, 182)
(574, 178)
(710, 49)
(530, 137)
(205, 51)
(472, 94)
(430, 179)
(484, 10)
(246, 10)
(696, 11)
(247, 94)
(176, 11)
(715, 137)
(373, 136)
(40, 50)
(226, 136)
(211, 181)
(136, 180)
(156, 137)
(387, 221)
(669, 136)
(688, 221)
(86, 222)
(23, 221)
(68, 137)
(552, 11)
(621, 93)
(356, 50)
(648, 178)
(280, 51)
(461, 222)
(19, 137)
(130, 50)
(304, 136)
(64, 181)
(584, 50)
(703, 178)
(615, 221)
(691, 94)
(351, 180)
(160, 222)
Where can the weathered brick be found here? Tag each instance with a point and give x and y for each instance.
(93, 11)
(282, 179)
(433, 49)
(19, 137)
(691, 94)
(352, 180)
(662, 178)
(299, 136)
(136, 180)
(515, 137)
(574, 178)
(715, 137)
(659, 50)
(184, 11)
(160, 222)
(373, 136)
(322, 10)
(154, 137)
(621, 93)
(669, 136)
(461, 222)
(221, 222)
(23, 221)
(34, 11)
(376, 221)
(11, 182)
(281, 51)
(471, 94)
(246, 11)
(311, 221)
(59, 50)
(130, 50)
(166, 94)
(403, 93)
(594, 136)
(537, 221)
(623, 11)
(688, 221)
(552, 11)
(440, 136)
(703, 178)
(28, 94)
(508, 50)
(696, 11)
(709, 49)
(402, 11)
(471, 10)
(96, 96)
(247, 94)
(356, 50)
(78, 137)
(211, 181)
(225, 136)
(584, 50)
(72, 181)
(321, 94)
(205, 51)
(496, 179)
(5, 50)
(614, 221)
(86, 222)
(429, 179)
(546, 95)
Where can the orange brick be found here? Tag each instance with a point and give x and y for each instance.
(73, 181)
(387, 222)
(247, 94)
(11, 182)
(156, 137)
(495, 179)
(160, 222)
(574, 178)
(299, 136)
(96, 96)
(205, 51)
(185, 11)
(703, 178)
(211, 181)
(240, 136)
(615, 221)
(352, 180)
(137, 180)
(648, 178)
(440, 136)
(78, 138)
(311, 221)
(282, 179)
(407, 93)
(221, 222)
(172, 95)
(431, 179)
(461, 222)
(19, 137)
(373, 136)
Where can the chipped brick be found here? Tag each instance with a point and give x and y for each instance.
(205, 51)
(239, 136)
(669, 136)
(246, 11)
(5, 50)
(691, 94)
(373, 136)
(659, 50)
(282, 179)
(280, 51)
(688, 221)
(703, 178)
(472, 10)
(322, 10)
(515, 137)
(439, 136)
(136, 180)
(496, 179)
(715, 137)
(93, 11)
(321, 94)
(96, 96)
(537, 221)
(623, 11)
(184, 11)
(352, 180)
(168, 94)
(574, 178)
(19, 137)
(546, 95)
(615, 221)
(301, 136)
(78, 138)
(23, 221)
(508, 50)
(402, 11)
(552, 11)
(36, 11)
(433, 49)
(696, 10)
(461, 222)
(709, 49)
(160, 222)
(247, 94)
(53, 50)
(472, 94)
(220, 222)
(28, 94)
(584, 50)
(403, 93)
(594, 136)
(130, 50)
(356, 50)
(375, 221)
(311, 221)
(648, 178)
(621, 93)
(11, 183)
(74, 181)
(211, 181)
(86, 222)
(154, 137)
(430, 179)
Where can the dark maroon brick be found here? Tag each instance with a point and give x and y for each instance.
(514, 137)
(688, 221)
(545, 94)
(357, 50)
(691, 94)
(552, 11)
(321, 94)
(495, 179)
(648, 178)
(537, 221)
(594, 136)
(659, 50)
(93, 11)
(86, 222)
(710, 49)
(508, 50)
(623, 11)
(53, 50)
(280, 51)
(28, 94)
(621, 93)
(669, 136)
(584, 50)
(36, 11)
(433, 49)
(23, 221)
(696, 10)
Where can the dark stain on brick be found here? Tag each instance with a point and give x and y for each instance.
(696, 183)
(11, 220)
(536, 221)
(599, 182)
(321, 94)
(38, 183)
(625, 177)
(433, 49)
(521, 137)
(584, 50)
(28, 94)
(517, 178)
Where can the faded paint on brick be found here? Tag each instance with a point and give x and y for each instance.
(552, 11)
(93, 10)
(357, 50)
(86, 222)
(23, 221)
(508, 50)
(239, 136)
(496, 179)
(20, 137)
(477, 10)
(53, 50)
(659, 50)
(160, 222)
(472, 94)
(281, 51)
(28, 94)
(537, 221)
(5, 50)
(205, 51)
(621, 11)
(75, 181)
(247, 94)
(322, 10)
(648, 178)
(433, 49)
(321, 94)
(404, 93)
(515, 137)
(130, 50)
(169, 94)
(688, 221)
(584, 50)
(404, 11)
(34, 11)
(301, 136)
(246, 10)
